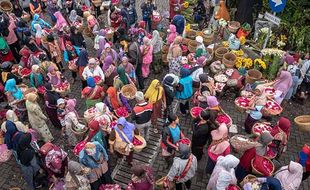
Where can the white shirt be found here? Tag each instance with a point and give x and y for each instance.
(96, 72)
(195, 74)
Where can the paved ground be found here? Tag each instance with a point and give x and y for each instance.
(11, 175)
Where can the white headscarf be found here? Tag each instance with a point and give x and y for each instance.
(39, 31)
(290, 176)
(73, 16)
(156, 41)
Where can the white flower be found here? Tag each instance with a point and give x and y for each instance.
(265, 30)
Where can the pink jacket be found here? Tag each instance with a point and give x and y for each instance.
(172, 34)
(11, 38)
(148, 57)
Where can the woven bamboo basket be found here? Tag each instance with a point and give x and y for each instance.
(220, 52)
(256, 172)
(191, 112)
(233, 26)
(82, 132)
(303, 123)
(6, 6)
(208, 39)
(129, 91)
(252, 76)
(248, 179)
(192, 45)
(229, 60)
(191, 34)
(242, 145)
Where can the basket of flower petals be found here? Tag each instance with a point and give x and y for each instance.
(242, 103)
(90, 113)
(232, 187)
(129, 91)
(139, 143)
(242, 143)
(270, 91)
(246, 94)
(41, 90)
(224, 118)
(273, 108)
(219, 86)
(262, 166)
(62, 87)
(195, 111)
(24, 72)
(121, 112)
(259, 128)
(98, 80)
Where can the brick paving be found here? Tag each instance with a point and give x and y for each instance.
(11, 175)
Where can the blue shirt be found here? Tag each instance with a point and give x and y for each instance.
(257, 114)
(175, 133)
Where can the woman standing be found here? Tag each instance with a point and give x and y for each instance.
(170, 136)
(224, 173)
(92, 70)
(142, 178)
(109, 70)
(155, 95)
(147, 56)
(95, 157)
(186, 93)
(50, 98)
(35, 7)
(60, 21)
(175, 56)
(71, 54)
(282, 85)
(12, 119)
(82, 63)
(77, 38)
(115, 100)
(108, 51)
(129, 68)
(93, 93)
(281, 133)
(219, 146)
(121, 79)
(36, 118)
(29, 162)
(76, 178)
(169, 83)
(121, 138)
(96, 134)
(72, 122)
(55, 51)
(36, 77)
(54, 76)
(157, 43)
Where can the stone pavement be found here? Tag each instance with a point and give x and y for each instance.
(11, 175)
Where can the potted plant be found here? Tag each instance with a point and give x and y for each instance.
(244, 30)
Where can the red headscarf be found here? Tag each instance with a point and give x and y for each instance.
(112, 93)
(284, 124)
(94, 128)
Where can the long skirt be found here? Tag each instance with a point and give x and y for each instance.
(210, 165)
(52, 115)
(44, 132)
(29, 172)
(157, 112)
(157, 63)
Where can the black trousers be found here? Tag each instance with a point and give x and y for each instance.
(179, 186)
(184, 107)
(140, 81)
(15, 47)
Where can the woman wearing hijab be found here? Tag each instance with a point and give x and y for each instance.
(41, 22)
(95, 157)
(51, 9)
(219, 146)
(11, 117)
(60, 21)
(121, 79)
(142, 178)
(290, 176)
(74, 17)
(175, 56)
(108, 51)
(100, 42)
(186, 93)
(147, 56)
(36, 77)
(54, 76)
(183, 169)
(201, 134)
(197, 70)
(71, 54)
(36, 117)
(122, 136)
(35, 7)
(245, 166)
(255, 114)
(96, 134)
(213, 104)
(129, 68)
(155, 95)
(76, 178)
(206, 90)
(29, 162)
(55, 51)
(82, 63)
(282, 85)
(56, 164)
(172, 34)
(72, 122)
(92, 70)
(77, 38)
(201, 49)
(50, 98)
(281, 133)
(224, 173)
(93, 93)
(115, 100)
(109, 70)
(157, 43)
(170, 136)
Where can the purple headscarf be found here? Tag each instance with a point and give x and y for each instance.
(129, 67)
(284, 82)
(127, 128)
(101, 43)
(212, 101)
(107, 62)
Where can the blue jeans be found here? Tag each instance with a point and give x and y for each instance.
(292, 91)
(148, 22)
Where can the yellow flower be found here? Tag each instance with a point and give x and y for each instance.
(242, 40)
(187, 28)
(248, 62)
(225, 43)
(185, 4)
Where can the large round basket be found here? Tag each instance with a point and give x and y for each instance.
(229, 60)
(252, 76)
(192, 45)
(220, 52)
(208, 39)
(164, 59)
(82, 132)
(195, 109)
(191, 34)
(248, 179)
(241, 143)
(6, 6)
(258, 173)
(139, 148)
(303, 122)
(129, 91)
(233, 26)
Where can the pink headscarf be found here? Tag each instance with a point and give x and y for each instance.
(218, 134)
(54, 159)
(61, 22)
(284, 82)
(172, 34)
(290, 176)
(212, 101)
(70, 106)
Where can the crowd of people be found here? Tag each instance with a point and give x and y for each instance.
(41, 40)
